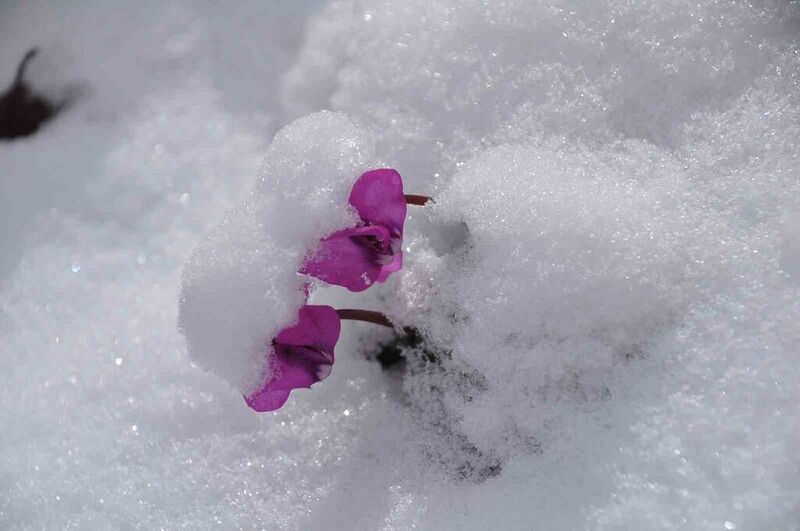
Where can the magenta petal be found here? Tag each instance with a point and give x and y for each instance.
(346, 259)
(395, 264)
(378, 198)
(295, 367)
(358, 257)
(265, 400)
(302, 355)
(316, 326)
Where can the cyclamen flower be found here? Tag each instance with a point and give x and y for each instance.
(357, 257)
(302, 355)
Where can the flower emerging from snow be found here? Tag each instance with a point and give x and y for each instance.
(302, 354)
(357, 257)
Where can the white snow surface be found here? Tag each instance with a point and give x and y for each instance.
(609, 277)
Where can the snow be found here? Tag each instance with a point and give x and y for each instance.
(608, 278)
(241, 286)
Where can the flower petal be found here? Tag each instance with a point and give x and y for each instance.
(294, 367)
(344, 260)
(394, 264)
(378, 198)
(266, 400)
(302, 354)
(317, 326)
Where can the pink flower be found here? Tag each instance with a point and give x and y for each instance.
(357, 257)
(302, 355)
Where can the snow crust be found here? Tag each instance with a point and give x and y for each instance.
(607, 285)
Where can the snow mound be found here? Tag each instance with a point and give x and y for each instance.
(241, 285)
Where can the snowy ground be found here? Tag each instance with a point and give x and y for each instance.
(612, 264)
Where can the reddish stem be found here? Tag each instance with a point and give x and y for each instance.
(367, 316)
(415, 199)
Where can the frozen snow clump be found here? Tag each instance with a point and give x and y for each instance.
(241, 286)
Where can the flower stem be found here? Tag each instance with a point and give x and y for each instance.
(419, 200)
(24, 64)
(367, 316)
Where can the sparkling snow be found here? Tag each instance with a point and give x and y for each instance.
(609, 278)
